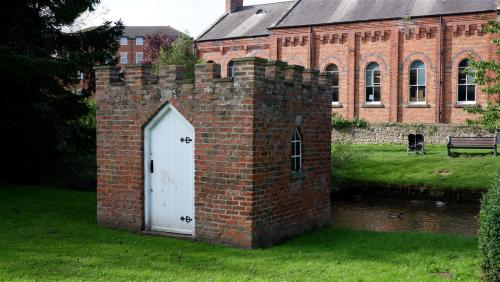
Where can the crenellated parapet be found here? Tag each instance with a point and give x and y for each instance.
(251, 76)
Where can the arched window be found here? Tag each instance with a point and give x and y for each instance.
(466, 84)
(417, 82)
(296, 151)
(333, 72)
(230, 69)
(373, 83)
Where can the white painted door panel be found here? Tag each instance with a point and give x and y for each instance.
(172, 181)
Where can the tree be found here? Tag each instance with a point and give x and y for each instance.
(153, 43)
(180, 53)
(44, 126)
(487, 73)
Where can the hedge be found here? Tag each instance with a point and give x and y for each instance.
(489, 233)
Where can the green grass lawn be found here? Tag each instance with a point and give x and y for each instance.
(51, 234)
(390, 164)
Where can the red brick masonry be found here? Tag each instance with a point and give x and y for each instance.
(441, 43)
(245, 192)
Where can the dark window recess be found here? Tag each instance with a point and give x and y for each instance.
(230, 69)
(296, 159)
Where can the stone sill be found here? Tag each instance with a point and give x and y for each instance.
(223, 79)
(297, 175)
(416, 106)
(373, 106)
(185, 81)
(464, 105)
(337, 106)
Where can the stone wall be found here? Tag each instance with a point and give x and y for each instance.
(245, 192)
(397, 133)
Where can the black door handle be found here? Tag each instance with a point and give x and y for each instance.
(151, 166)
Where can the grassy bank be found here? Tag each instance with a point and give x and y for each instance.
(390, 164)
(51, 234)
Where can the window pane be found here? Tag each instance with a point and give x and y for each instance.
(462, 77)
(139, 57)
(471, 93)
(123, 40)
(139, 41)
(462, 96)
(335, 78)
(376, 77)
(124, 58)
(369, 78)
(413, 77)
(292, 164)
(421, 94)
(369, 94)
(335, 94)
(471, 79)
(413, 94)
(421, 77)
(377, 94)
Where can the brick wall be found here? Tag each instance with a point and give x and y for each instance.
(245, 192)
(394, 45)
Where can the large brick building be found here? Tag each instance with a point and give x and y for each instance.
(390, 60)
(131, 50)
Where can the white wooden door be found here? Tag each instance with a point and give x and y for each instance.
(170, 169)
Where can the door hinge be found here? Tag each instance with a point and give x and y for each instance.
(151, 166)
(187, 140)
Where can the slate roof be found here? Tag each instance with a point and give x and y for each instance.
(244, 22)
(135, 31)
(313, 12)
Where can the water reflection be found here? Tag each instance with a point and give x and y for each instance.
(406, 215)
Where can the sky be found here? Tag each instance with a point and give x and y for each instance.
(193, 16)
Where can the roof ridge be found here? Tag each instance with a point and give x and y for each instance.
(272, 3)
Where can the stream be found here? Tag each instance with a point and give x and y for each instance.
(388, 214)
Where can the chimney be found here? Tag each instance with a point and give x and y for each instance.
(233, 5)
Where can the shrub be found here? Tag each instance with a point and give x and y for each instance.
(179, 53)
(489, 233)
(339, 123)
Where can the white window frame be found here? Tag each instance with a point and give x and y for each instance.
(466, 84)
(297, 138)
(418, 85)
(335, 86)
(373, 85)
(142, 56)
(139, 39)
(123, 41)
(122, 56)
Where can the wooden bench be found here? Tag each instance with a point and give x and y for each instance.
(474, 143)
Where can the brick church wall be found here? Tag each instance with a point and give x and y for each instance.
(245, 192)
(394, 45)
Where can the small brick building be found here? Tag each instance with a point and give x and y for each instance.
(371, 47)
(243, 161)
